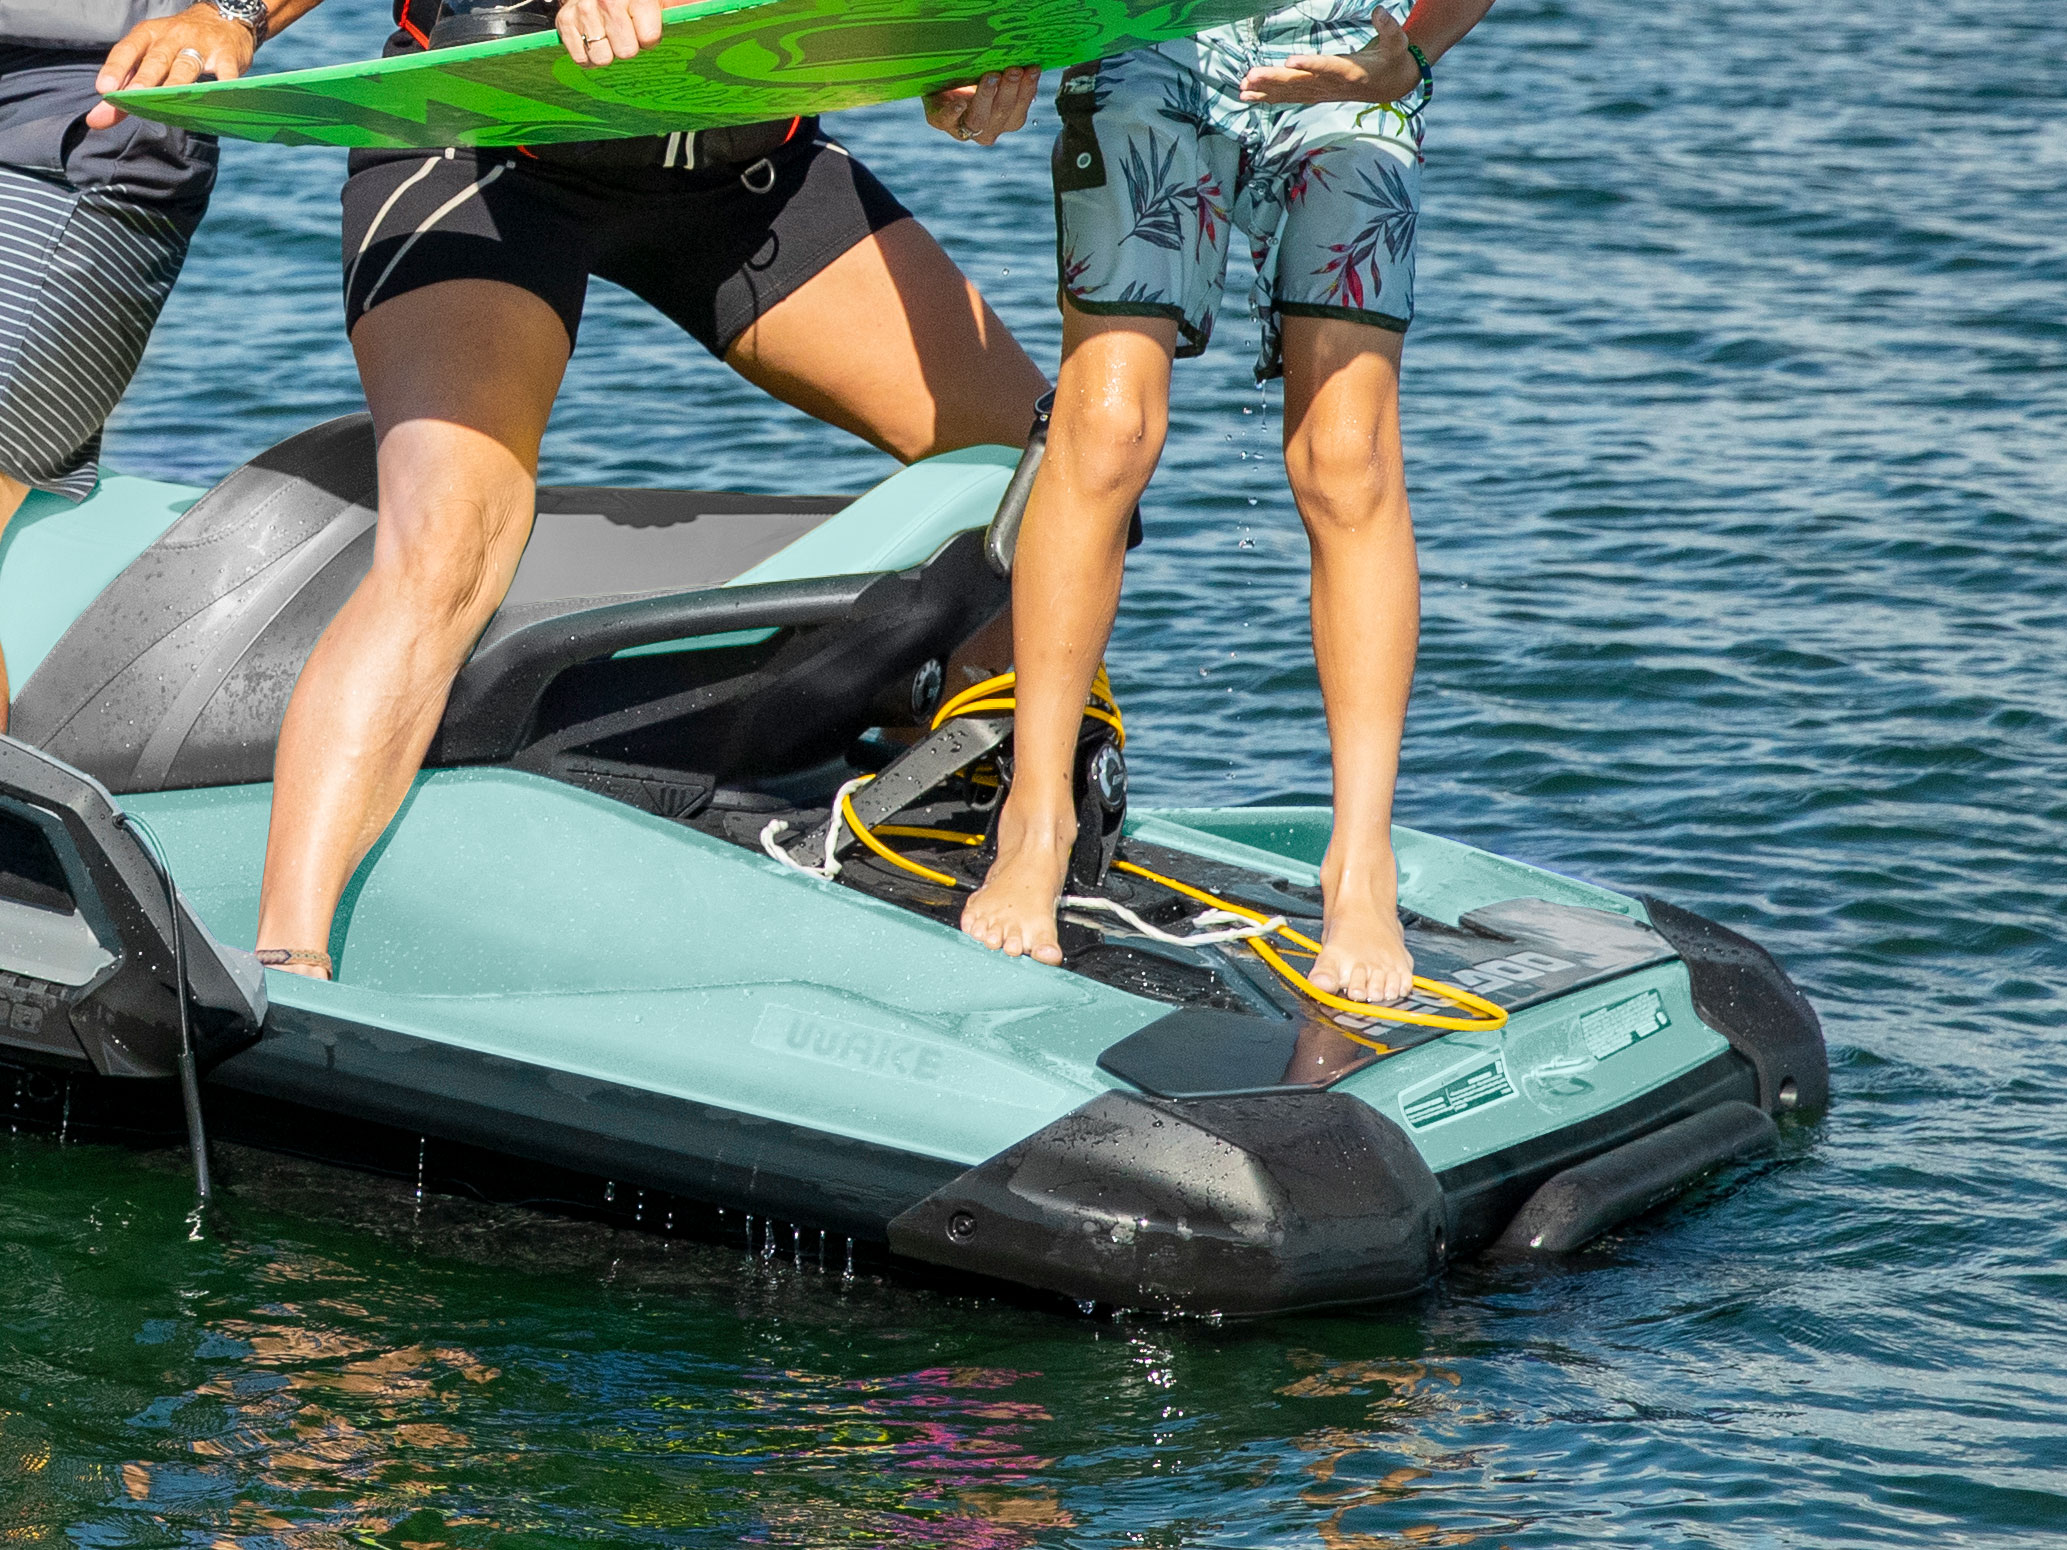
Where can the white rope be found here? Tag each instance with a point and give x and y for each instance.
(835, 822)
(1241, 933)
(1241, 929)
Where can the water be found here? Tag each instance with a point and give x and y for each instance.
(1734, 421)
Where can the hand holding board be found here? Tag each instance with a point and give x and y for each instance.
(717, 63)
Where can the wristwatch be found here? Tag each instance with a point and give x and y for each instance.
(252, 13)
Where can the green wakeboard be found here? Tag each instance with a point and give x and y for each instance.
(719, 62)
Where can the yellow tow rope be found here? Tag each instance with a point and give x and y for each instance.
(994, 694)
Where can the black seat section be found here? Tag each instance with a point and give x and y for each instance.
(178, 674)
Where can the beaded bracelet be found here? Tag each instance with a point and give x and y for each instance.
(1427, 75)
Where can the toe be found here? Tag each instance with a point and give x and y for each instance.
(1049, 953)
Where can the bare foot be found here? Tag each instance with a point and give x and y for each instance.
(1364, 955)
(1014, 910)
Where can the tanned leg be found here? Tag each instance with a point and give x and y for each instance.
(1112, 410)
(892, 342)
(923, 366)
(12, 493)
(461, 378)
(1342, 452)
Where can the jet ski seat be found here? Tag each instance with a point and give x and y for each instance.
(732, 637)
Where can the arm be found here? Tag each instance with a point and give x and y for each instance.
(177, 50)
(1383, 70)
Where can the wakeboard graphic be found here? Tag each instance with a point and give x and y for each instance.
(718, 63)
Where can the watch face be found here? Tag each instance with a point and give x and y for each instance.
(252, 13)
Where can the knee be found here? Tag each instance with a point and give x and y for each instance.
(447, 563)
(1344, 480)
(1111, 442)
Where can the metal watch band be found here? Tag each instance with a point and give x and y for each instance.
(252, 13)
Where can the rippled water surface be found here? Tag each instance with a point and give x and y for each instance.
(1734, 418)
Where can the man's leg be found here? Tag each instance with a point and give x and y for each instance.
(461, 378)
(1112, 410)
(921, 366)
(1342, 452)
(892, 342)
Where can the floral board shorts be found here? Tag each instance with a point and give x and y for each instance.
(1159, 160)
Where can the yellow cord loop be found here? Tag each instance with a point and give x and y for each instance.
(995, 694)
(863, 834)
(1489, 1016)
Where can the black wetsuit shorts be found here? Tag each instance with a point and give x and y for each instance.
(713, 241)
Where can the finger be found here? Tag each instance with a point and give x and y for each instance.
(185, 68)
(156, 64)
(944, 109)
(976, 117)
(1000, 117)
(569, 27)
(227, 63)
(593, 32)
(1022, 104)
(646, 21)
(104, 115)
(1271, 78)
(121, 62)
(617, 20)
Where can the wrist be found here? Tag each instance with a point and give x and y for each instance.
(252, 17)
(1432, 48)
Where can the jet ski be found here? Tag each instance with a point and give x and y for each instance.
(665, 931)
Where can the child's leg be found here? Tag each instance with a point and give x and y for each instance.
(1112, 407)
(1342, 451)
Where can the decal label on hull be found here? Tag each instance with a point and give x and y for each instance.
(1614, 1028)
(876, 1051)
(1444, 1100)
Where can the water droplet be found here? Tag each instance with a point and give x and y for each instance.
(750, 1235)
(847, 1275)
(422, 1145)
(1086, 1306)
(796, 1244)
(821, 1251)
(609, 1190)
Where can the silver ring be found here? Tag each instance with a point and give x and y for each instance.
(586, 40)
(194, 53)
(963, 132)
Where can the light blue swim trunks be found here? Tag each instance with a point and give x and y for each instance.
(1159, 160)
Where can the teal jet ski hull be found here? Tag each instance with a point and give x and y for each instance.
(571, 973)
